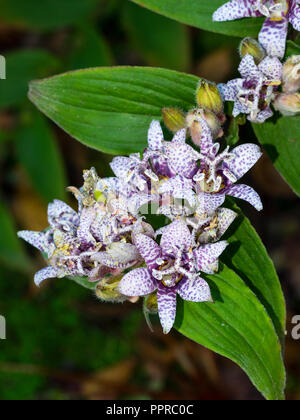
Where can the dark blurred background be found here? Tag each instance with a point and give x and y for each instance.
(61, 342)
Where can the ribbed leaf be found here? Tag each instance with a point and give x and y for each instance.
(110, 109)
(199, 13)
(248, 257)
(238, 327)
(281, 140)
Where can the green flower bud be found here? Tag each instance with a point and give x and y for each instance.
(108, 289)
(291, 74)
(150, 307)
(252, 47)
(173, 118)
(150, 303)
(287, 104)
(208, 97)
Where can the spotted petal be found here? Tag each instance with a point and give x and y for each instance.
(208, 203)
(56, 210)
(182, 159)
(137, 282)
(263, 116)
(246, 156)
(45, 273)
(229, 91)
(206, 255)
(88, 215)
(225, 218)
(196, 290)
(155, 136)
(176, 236)
(121, 166)
(235, 9)
(180, 137)
(273, 37)
(244, 192)
(248, 68)
(166, 301)
(272, 68)
(179, 187)
(206, 137)
(36, 239)
(295, 17)
(240, 108)
(148, 249)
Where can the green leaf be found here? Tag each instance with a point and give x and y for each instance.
(165, 46)
(249, 258)
(281, 140)
(238, 327)
(82, 281)
(292, 48)
(110, 110)
(89, 49)
(45, 14)
(199, 13)
(21, 67)
(37, 150)
(12, 252)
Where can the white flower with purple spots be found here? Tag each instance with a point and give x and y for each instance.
(97, 240)
(216, 178)
(253, 93)
(278, 13)
(173, 267)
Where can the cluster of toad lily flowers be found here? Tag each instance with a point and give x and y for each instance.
(110, 241)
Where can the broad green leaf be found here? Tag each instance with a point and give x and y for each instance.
(160, 41)
(110, 110)
(11, 250)
(21, 67)
(199, 13)
(89, 49)
(281, 140)
(248, 257)
(37, 150)
(45, 14)
(238, 327)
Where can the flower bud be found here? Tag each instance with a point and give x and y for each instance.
(193, 121)
(287, 104)
(150, 303)
(174, 119)
(108, 290)
(291, 74)
(252, 47)
(208, 97)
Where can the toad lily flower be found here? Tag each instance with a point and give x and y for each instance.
(161, 161)
(278, 13)
(173, 267)
(216, 178)
(253, 93)
(93, 242)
